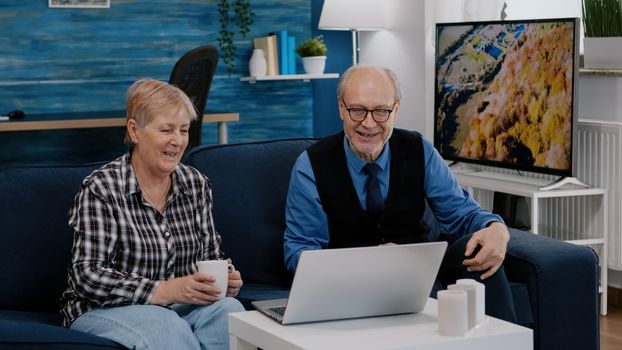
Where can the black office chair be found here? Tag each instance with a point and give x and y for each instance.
(193, 74)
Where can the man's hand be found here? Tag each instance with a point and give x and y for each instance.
(493, 241)
(195, 289)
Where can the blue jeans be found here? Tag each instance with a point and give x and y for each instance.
(155, 327)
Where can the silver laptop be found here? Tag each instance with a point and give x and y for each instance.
(332, 284)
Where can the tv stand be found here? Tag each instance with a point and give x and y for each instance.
(593, 233)
(563, 181)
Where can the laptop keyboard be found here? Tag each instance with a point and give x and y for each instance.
(278, 310)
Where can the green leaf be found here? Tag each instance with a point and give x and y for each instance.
(602, 18)
(312, 47)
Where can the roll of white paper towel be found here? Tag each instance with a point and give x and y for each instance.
(471, 301)
(452, 312)
(480, 297)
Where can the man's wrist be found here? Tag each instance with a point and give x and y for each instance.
(501, 228)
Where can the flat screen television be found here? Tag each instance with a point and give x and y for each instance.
(506, 93)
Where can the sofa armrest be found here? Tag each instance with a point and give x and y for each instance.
(562, 281)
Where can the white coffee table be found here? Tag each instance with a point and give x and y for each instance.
(251, 329)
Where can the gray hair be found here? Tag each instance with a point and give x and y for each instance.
(347, 75)
(146, 98)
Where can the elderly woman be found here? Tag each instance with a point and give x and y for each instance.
(141, 223)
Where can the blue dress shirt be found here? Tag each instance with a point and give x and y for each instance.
(307, 224)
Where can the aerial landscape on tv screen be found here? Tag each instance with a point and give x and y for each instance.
(504, 93)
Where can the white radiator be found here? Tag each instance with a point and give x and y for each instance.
(599, 164)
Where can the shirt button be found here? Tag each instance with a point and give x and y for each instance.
(166, 234)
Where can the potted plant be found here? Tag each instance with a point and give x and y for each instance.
(602, 20)
(313, 54)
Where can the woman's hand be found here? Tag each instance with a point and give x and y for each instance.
(195, 289)
(235, 282)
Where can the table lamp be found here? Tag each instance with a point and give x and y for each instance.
(355, 16)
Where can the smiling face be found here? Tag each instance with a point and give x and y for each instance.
(368, 88)
(160, 144)
(158, 119)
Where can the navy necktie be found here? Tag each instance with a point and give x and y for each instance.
(375, 204)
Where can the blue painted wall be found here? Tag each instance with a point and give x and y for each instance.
(82, 60)
(325, 111)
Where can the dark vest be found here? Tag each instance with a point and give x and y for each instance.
(348, 224)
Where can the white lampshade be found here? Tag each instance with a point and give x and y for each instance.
(354, 15)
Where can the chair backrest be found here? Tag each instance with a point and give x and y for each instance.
(193, 74)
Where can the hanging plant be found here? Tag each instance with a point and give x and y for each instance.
(242, 18)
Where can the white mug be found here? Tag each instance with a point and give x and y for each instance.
(220, 270)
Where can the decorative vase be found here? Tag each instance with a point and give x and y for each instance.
(257, 65)
(602, 53)
(314, 64)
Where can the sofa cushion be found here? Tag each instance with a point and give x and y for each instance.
(249, 184)
(25, 330)
(36, 239)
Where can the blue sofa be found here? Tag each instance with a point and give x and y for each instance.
(555, 284)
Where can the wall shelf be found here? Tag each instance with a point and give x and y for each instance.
(303, 77)
(604, 72)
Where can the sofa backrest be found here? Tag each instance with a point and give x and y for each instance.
(249, 181)
(249, 185)
(35, 239)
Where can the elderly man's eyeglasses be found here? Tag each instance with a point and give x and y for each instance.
(379, 115)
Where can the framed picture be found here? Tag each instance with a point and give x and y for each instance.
(79, 3)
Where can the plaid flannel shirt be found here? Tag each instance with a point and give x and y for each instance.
(122, 246)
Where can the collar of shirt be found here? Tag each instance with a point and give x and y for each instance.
(132, 182)
(357, 163)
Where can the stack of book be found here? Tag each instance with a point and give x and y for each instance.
(280, 51)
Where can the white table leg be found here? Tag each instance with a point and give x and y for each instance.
(605, 256)
(223, 136)
(534, 214)
(236, 343)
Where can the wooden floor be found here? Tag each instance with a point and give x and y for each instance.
(611, 329)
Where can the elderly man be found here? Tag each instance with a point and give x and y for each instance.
(369, 185)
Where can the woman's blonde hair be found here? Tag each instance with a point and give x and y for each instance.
(147, 98)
